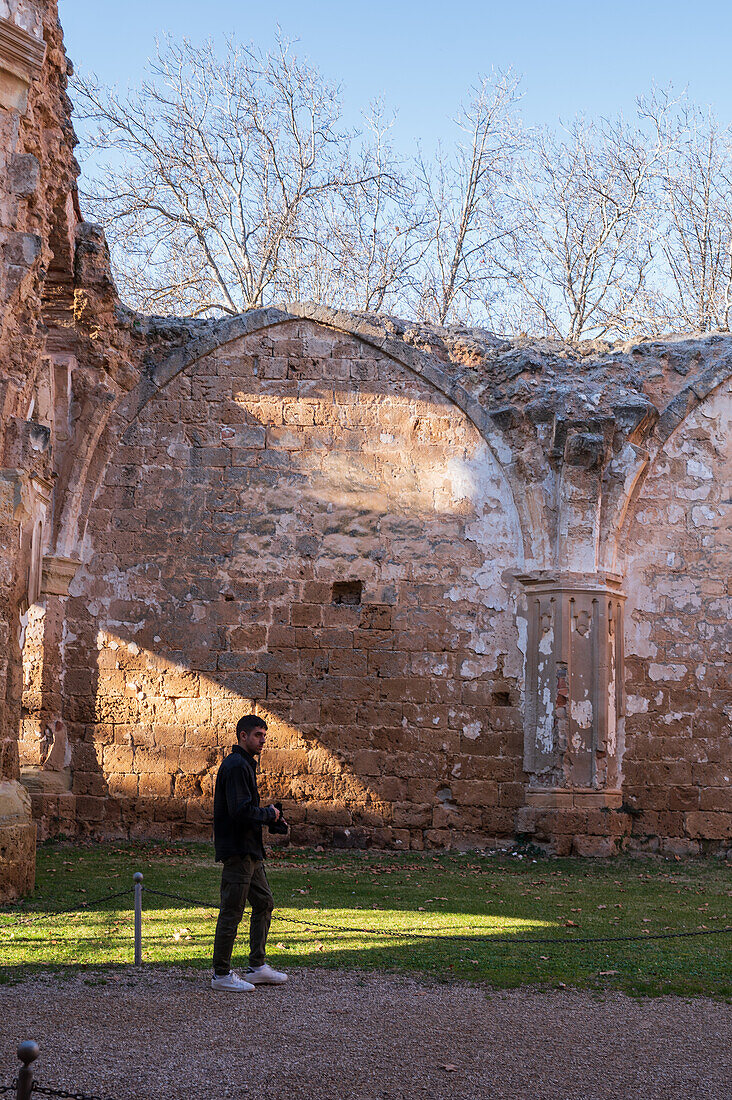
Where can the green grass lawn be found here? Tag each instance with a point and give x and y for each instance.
(434, 915)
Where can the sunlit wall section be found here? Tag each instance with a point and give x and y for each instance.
(300, 526)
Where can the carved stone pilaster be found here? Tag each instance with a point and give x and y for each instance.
(574, 705)
(58, 573)
(21, 59)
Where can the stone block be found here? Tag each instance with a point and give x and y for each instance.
(24, 174)
(595, 846)
(155, 786)
(118, 758)
(180, 685)
(526, 819)
(408, 815)
(497, 822)
(716, 799)
(192, 712)
(474, 792)
(679, 846)
(608, 823)
(325, 813)
(687, 798)
(708, 825)
(91, 783)
(23, 249)
(511, 795)
(90, 810)
(285, 761)
(562, 844)
(119, 784)
(458, 819)
(437, 838)
(369, 763)
(373, 816)
(17, 842)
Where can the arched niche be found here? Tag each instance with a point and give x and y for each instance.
(290, 519)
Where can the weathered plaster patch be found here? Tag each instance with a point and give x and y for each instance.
(638, 637)
(667, 672)
(472, 669)
(695, 468)
(636, 704)
(545, 723)
(582, 713)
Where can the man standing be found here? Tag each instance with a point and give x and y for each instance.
(238, 820)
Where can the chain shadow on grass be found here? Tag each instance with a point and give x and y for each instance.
(685, 967)
(688, 971)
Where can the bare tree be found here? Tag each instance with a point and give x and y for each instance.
(370, 239)
(228, 182)
(579, 251)
(695, 208)
(463, 192)
(216, 171)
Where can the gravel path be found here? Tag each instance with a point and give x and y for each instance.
(329, 1035)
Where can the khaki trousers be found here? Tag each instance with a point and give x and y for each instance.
(242, 879)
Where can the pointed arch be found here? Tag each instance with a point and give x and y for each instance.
(115, 417)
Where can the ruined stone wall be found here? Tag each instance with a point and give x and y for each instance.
(479, 587)
(678, 763)
(59, 363)
(414, 564)
(36, 168)
(298, 525)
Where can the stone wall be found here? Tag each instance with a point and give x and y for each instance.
(410, 550)
(297, 524)
(57, 343)
(479, 588)
(31, 78)
(678, 762)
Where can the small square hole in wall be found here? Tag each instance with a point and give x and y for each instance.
(347, 592)
(501, 699)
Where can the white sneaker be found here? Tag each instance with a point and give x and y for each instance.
(230, 983)
(265, 975)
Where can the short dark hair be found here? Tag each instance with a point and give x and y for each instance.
(249, 722)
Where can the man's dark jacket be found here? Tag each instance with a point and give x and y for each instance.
(238, 817)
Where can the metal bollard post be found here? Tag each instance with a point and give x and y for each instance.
(137, 879)
(27, 1052)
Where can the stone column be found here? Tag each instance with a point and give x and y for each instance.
(45, 753)
(22, 52)
(574, 709)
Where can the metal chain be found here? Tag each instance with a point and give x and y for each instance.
(504, 941)
(65, 912)
(9, 1088)
(180, 897)
(67, 1095)
(509, 940)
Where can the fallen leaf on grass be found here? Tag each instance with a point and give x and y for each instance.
(449, 1067)
(608, 973)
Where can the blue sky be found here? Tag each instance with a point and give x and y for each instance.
(422, 55)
